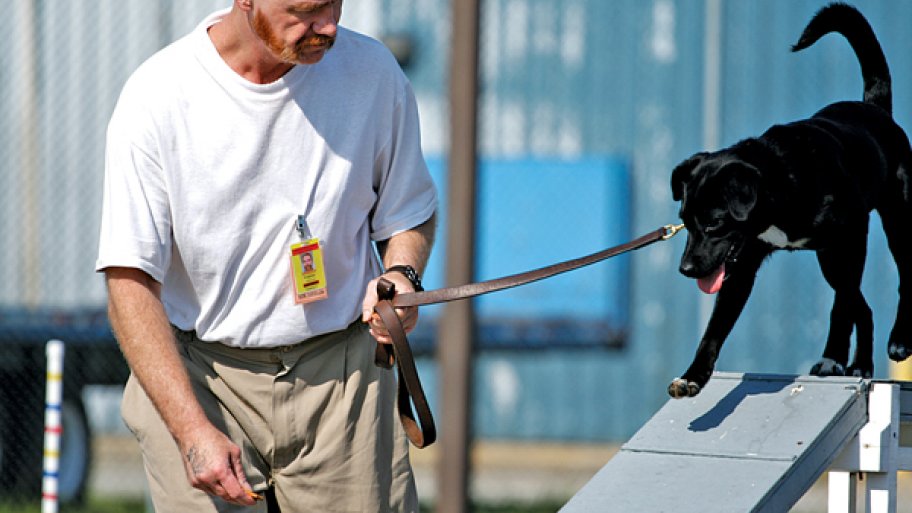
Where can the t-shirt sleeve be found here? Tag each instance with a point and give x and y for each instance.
(406, 195)
(135, 219)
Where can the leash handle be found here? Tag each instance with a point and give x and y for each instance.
(422, 431)
(384, 355)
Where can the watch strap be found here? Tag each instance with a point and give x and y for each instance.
(410, 273)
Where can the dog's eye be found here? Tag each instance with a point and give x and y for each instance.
(713, 225)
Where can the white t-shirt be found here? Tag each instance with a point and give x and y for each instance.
(206, 174)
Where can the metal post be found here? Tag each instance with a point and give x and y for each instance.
(457, 322)
(26, 123)
(712, 104)
(712, 74)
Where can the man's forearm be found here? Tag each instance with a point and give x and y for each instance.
(144, 334)
(411, 247)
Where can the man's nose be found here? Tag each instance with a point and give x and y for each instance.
(326, 24)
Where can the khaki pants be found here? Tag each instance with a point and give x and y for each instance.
(315, 421)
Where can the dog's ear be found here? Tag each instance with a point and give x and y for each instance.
(741, 189)
(682, 174)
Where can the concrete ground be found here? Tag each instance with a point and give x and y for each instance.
(502, 472)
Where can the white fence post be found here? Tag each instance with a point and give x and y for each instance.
(52, 426)
(874, 451)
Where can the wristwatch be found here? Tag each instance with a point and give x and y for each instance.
(410, 273)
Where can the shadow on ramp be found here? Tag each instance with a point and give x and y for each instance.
(748, 442)
(751, 384)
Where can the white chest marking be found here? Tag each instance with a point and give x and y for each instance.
(778, 238)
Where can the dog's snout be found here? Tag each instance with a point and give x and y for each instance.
(686, 268)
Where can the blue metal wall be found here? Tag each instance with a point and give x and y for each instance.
(631, 85)
(569, 80)
(524, 206)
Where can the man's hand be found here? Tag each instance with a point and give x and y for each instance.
(213, 465)
(408, 316)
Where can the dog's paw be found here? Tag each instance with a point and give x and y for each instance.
(860, 371)
(828, 367)
(680, 388)
(898, 352)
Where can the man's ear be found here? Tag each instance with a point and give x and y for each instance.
(682, 174)
(741, 189)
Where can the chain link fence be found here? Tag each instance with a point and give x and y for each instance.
(576, 89)
(65, 63)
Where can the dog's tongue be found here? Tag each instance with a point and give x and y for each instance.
(712, 283)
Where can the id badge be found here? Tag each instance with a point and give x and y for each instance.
(307, 274)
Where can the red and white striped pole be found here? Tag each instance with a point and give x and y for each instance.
(52, 426)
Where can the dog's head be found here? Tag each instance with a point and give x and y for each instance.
(719, 193)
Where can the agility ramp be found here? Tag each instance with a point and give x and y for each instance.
(756, 443)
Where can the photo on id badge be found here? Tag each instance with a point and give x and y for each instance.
(308, 276)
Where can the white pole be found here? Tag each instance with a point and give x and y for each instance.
(712, 108)
(712, 76)
(879, 440)
(842, 488)
(52, 426)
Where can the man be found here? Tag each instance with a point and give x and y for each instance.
(267, 131)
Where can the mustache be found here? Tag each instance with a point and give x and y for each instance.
(316, 40)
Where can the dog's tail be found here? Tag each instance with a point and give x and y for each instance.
(846, 20)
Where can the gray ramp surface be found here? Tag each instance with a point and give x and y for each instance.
(748, 442)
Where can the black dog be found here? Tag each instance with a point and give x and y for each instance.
(810, 184)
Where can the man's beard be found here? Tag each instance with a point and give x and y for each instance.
(302, 49)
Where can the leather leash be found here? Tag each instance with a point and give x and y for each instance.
(423, 432)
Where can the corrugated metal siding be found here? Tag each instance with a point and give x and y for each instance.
(640, 95)
(571, 79)
(65, 65)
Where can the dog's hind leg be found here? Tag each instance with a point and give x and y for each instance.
(843, 267)
(896, 221)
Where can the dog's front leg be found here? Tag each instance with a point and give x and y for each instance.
(729, 303)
